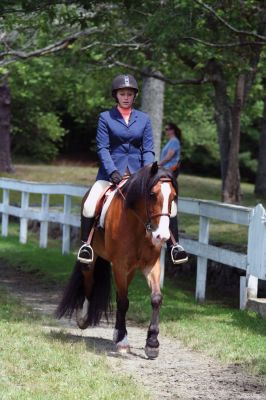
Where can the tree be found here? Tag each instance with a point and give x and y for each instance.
(31, 29)
(260, 187)
(5, 99)
(220, 48)
(152, 102)
(189, 42)
(36, 29)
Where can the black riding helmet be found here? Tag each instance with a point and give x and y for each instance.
(122, 82)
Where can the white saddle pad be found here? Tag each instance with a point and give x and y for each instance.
(105, 207)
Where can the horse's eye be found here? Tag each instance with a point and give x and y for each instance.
(152, 195)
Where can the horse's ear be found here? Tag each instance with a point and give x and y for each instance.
(154, 168)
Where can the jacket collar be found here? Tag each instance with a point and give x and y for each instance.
(116, 114)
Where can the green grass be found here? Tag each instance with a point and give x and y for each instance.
(78, 175)
(225, 333)
(63, 173)
(50, 262)
(210, 189)
(39, 365)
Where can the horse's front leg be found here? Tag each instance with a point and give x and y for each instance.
(153, 279)
(120, 332)
(122, 302)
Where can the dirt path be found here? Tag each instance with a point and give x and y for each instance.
(177, 373)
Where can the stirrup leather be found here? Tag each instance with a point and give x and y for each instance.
(84, 248)
(179, 248)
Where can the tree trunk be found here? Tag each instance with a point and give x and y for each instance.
(232, 192)
(260, 187)
(222, 116)
(152, 103)
(5, 156)
(228, 120)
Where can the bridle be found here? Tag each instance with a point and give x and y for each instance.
(148, 224)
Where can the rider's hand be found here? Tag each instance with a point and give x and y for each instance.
(115, 177)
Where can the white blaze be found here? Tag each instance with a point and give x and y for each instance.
(162, 233)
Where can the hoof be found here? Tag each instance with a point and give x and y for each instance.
(122, 349)
(151, 352)
(81, 315)
(123, 346)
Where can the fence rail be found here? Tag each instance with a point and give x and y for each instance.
(44, 214)
(253, 263)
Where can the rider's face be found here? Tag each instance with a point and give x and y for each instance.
(125, 97)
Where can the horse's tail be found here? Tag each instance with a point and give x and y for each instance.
(74, 294)
(100, 299)
(100, 295)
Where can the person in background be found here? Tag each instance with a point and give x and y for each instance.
(170, 154)
(170, 158)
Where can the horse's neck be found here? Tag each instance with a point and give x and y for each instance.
(133, 219)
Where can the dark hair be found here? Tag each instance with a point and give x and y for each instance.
(140, 184)
(178, 132)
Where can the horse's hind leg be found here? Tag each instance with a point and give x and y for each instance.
(74, 295)
(82, 309)
(153, 279)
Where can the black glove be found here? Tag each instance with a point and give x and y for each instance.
(115, 177)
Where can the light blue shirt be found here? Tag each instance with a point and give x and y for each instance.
(172, 144)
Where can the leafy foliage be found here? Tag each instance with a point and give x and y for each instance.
(56, 99)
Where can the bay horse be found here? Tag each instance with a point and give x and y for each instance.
(136, 226)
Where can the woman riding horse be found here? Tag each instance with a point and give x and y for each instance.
(136, 226)
(124, 145)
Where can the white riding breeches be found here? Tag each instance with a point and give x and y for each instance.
(91, 201)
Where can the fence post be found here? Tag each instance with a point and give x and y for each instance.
(255, 255)
(66, 227)
(23, 221)
(243, 293)
(202, 261)
(5, 216)
(44, 224)
(248, 289)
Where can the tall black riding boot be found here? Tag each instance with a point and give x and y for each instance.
(177, 252)
(86, 254)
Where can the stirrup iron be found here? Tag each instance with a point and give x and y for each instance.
(179, 248)
(84, 248)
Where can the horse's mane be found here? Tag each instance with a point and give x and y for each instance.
(139, 185)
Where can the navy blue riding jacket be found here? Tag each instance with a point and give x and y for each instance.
(122, 146)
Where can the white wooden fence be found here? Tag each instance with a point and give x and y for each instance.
(44, 213)
(253, 263)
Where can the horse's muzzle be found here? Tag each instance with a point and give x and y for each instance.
(159, 238)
